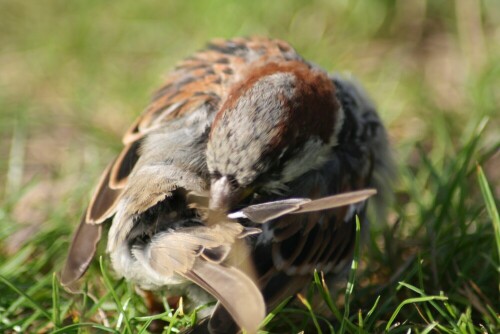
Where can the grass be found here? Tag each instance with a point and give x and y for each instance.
(75, 74)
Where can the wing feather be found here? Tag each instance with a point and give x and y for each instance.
(81, 252)
(104, 200)
(123, 165)
(234, 289)
(264, 212)
(183, 252)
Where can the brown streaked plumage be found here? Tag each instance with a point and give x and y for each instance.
(245, 121)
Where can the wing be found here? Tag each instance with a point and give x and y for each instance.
(192, 255)
(84, 244)
(264, 212)
(179, 116)
(232, 288)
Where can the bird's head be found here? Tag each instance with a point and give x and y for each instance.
(275, 125)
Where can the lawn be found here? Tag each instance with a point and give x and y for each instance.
(75, 74)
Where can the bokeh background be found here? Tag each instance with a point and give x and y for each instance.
(74, 75)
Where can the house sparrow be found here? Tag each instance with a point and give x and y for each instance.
(207, 196)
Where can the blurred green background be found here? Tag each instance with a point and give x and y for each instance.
(74, 75)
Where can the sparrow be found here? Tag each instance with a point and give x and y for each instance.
(243, 175)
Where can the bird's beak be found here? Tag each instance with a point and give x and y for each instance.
(222, 195)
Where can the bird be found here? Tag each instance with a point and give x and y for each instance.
(219, 191)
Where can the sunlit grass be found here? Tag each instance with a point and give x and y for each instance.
(75, 74)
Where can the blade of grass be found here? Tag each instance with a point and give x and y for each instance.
(27, 297)
(429, 328)
(174, 320)
(15, 262)
(490, 205)
(109, 285)
(352, 277)
(55, 301)
(370, 312)
(304, 313)
(122, 314)
(411, 301)
(36, 288)
(325, 294)
(73, 327)
(145, 326)
(434, 304)
(29, 321)
(274, 312)
(311, 312)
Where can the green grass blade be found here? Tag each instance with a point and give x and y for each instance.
(325, 294)
(80, 325)
(55, 301)
(429, 328)
(411, 301)
(174, 320)
(274, 312)
(15, 263)
(311, 312)
(490, 206)
(352, 277)
(109, 285)
(30, 321)
(28, 298)
(372, 309)
(145, 326)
